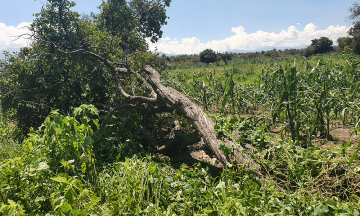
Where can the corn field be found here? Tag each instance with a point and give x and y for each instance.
(302, 96)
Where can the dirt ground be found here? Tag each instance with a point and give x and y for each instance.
(341, 136)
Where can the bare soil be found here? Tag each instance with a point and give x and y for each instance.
(341, 135)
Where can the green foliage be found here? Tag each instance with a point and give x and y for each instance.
(133, 21)
(62, 144)
(118, 137)
(8, 137)
(244, 130)
(208, 56)
(72, 199)
(67, 142)
(11, 209)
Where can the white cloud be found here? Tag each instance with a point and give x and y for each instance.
(8, 35)
(166, 39)
(260, 40)
(297, 23)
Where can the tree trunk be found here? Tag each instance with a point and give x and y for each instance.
(202, 123)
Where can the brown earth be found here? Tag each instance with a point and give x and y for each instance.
(341, 135)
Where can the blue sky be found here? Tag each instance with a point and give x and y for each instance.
(229, 25)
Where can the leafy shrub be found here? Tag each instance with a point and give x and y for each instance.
(62, 144)
(66, 142)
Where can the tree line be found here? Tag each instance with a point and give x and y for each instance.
(318, 46)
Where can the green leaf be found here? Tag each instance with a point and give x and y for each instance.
(79, 213)
(354, 155)
(56, 203)
(347, 145)
(96, 122)
(11, 202)
(62, 178)
(77, 111)
(66, 208)
(331, 203)
(94, 198)
(71, 196)
(356, 129)
(93, 110)
(208, 211)
(226, 98)
(8, 211)
(233, 120)
(321, 210)
(84, 120)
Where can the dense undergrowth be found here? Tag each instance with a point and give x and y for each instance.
(86, 164)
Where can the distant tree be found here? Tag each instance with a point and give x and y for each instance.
(271, 53)
(290, 52)
(322, 45)
(250, 55)
(208, 56)
(309, 51)
(226, 56)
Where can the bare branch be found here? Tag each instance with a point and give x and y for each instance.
(139, 78)
(136, 98)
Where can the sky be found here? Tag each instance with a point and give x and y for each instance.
(195, 25)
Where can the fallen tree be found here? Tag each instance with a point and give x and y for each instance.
(71, 56)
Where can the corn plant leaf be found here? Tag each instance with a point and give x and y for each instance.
(356, 129)
(347, 145)
(226, 95)
(354, 155)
